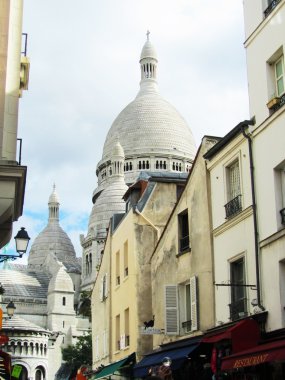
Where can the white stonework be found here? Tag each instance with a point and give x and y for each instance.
(148, 135)
(45, 293)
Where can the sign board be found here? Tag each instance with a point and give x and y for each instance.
(16, 371)
(4, 339)
(150, 331)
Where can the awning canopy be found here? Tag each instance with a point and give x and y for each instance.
(243, 335)
(262, 353)
(177, 355)
(113, 367)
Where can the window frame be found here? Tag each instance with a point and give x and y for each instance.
(183, 232)
(233, 188)
(238, 294)
(280, 77)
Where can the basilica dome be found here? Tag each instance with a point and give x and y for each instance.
(53, 240)
(149, 129)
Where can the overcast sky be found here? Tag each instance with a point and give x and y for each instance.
(85, 69)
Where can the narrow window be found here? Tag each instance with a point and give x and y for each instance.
(127, 327)
(63, 301)
(126, 259)
(118, 336)
(183, 232)
(147, 164)
(234, 205)
(118, 279)
(238, 305)
(279, 76)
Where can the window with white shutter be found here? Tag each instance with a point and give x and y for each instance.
(194, 303)
(171, 310)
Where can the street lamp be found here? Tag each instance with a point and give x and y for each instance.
(22, 241)
(10, 309)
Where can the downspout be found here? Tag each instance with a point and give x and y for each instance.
(148, 221)
(244, 125)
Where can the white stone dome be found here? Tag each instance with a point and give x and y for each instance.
(53, 240)
(149, 129)
(61, 281)
(150, 124)
(109, 202)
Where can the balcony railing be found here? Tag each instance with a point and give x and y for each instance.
(233, 207)
(238, 309)
(270, 7)
(184, 243)
(282, 212)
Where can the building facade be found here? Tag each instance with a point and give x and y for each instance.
(148, 135)
(14, 78)
(46, 293)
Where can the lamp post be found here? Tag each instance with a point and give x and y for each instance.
(22, 241)
(10, 309)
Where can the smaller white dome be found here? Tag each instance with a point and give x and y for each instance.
(53, 198)
(118, 150)
(61, 281)
(148, 51)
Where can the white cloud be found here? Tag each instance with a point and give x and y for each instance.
(85, 69)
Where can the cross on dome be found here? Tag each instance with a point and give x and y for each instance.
(147, 35)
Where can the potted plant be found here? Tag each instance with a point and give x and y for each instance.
(274, 100)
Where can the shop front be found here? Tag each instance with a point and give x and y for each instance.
(264, 361)
(190, 359)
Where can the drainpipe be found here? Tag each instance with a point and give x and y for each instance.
(244, 125)
(148, 221)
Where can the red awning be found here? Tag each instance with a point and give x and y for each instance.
(243, 335)
(262, 353)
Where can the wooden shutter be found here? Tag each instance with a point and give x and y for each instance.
(194, 303)
(171, 310)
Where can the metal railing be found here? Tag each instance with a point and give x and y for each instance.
(270, 7)
(233, 207)
(238, 309)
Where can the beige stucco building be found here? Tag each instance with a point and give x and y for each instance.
(14, 77)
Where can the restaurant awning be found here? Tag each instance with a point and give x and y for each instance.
(243, 335)
(110, 369)
(267, 352)
(177, 355)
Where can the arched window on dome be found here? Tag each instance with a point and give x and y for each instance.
(156, 165)
(90, 263)
(63, 301)
(176, 166)
(164, 164)
(143, 165)
(180, 167)
(147, 164)
(173, 166)
(140, 164)
(127, 167)
(131, 166)
(110, 171)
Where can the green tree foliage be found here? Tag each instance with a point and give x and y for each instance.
(80, 353)
(84, 306)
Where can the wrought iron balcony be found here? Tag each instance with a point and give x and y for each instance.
(238, 309)
(282, 212)
(184, 243)
(233, 207)
(270, 7)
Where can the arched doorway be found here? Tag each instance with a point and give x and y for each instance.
(40, 373)
(19, 372)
